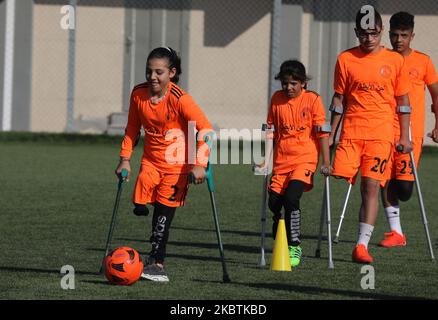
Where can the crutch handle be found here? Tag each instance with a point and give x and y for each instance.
(208, 139)
(208, 177)
(122, 178)
(124, 174)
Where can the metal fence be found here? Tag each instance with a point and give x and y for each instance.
(70, 65)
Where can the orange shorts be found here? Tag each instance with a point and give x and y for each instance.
(153, 185)
(371, 156)
(400, 165)
(279, 182)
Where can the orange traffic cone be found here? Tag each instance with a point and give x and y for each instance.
(280, 255)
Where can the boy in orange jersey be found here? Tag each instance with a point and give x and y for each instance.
(421, 73)
(298, 117)
(164, 111)
(370, 84)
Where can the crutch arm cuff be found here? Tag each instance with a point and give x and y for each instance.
(266, 127)
(336, 109)
(325, 128)
(404, 109)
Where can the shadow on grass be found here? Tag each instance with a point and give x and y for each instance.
(252, 234)
(319, 291)
(101, 282)
(324, 258)
(231, 247)
(216, 258)
(172, 255)
(37, 270)
(214, 246)
(237, 232)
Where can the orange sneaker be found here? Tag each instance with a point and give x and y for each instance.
(393, 239)
(361, 255)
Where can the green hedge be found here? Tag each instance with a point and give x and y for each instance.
(63, 138)
(59, 137)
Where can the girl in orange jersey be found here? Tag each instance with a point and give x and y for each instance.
(164, 111)
(298, 117)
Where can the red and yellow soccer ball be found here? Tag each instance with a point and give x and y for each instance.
(123, 266)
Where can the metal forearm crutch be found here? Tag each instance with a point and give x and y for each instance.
(208, 139)
(325, 212)
(122, 179)
(321, 225)
(420, 197)
(344, 209)
(325, 208)
(262, 261)
(268, 152)
(329, 226)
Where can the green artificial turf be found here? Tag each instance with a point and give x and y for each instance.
(56, 201)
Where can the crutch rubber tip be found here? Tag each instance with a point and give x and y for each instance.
(331, 265)
(336, 240)
(262, 263)
(318, 254)
(227, 279)
(102, 269)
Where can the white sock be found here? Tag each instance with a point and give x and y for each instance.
(365, 232)
(393, 216)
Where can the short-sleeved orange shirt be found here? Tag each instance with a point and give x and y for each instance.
(370, 83)
(295, 140)
(166, 129)
(421, 74)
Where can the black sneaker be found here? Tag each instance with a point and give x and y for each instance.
(154, 272)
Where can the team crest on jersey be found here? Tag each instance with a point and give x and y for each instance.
(414, 73)
(385, 71)
(305, 113)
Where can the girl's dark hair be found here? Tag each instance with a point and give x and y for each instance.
(293, 68)
(402, 20)
(171, 55)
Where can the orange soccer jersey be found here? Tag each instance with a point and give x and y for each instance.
(295, 140)
(369, 84)
(421, 74)
(166, 129)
